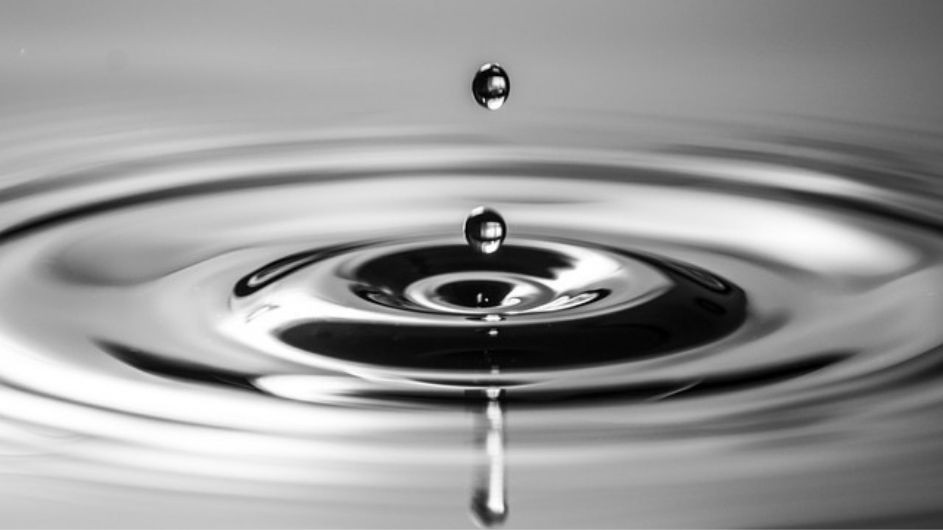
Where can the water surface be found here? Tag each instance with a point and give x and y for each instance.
(236, 299)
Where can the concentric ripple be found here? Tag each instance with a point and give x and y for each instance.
(299, 266)
(307, 291)
(479, 320)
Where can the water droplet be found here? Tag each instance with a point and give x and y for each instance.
(485, 230)
(491, 86)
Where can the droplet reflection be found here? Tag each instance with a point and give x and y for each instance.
(489, 497)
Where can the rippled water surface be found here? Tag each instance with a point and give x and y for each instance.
(232, 314)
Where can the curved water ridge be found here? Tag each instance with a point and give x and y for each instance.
(693, 309)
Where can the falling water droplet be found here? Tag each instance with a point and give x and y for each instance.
(485, 230)
(491, 86)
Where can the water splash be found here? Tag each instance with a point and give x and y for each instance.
(719, 322)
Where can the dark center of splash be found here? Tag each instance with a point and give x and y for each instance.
(476, 293)
(535, 306)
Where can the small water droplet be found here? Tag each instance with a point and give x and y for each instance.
(493, 332)
(485, 230)
(491, 86)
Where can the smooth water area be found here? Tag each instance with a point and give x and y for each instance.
(251, 314)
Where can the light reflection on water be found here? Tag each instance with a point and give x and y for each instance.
(780, 277)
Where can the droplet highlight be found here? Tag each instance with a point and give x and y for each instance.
(485, 230)
(491, 86)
